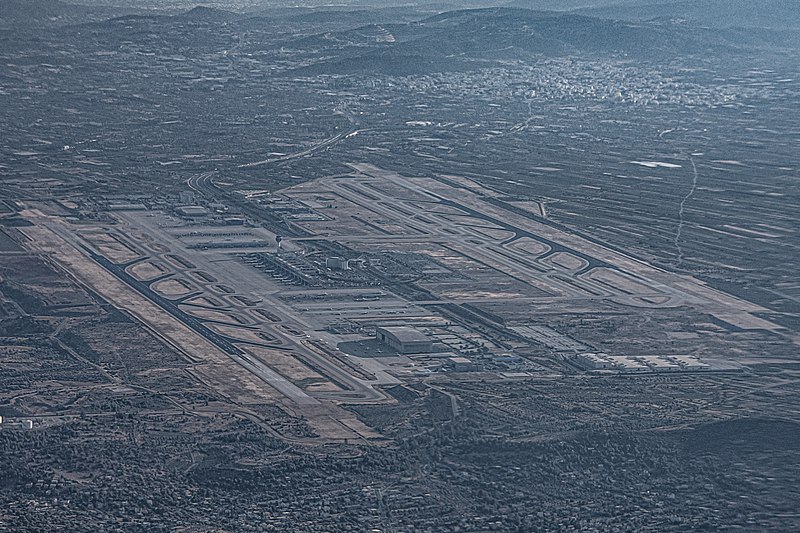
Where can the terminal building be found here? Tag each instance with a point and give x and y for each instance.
(405, 340)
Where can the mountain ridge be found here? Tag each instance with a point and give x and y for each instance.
(453, 40)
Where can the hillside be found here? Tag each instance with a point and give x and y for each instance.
(49, 13)
(778, 14)
(463, 39)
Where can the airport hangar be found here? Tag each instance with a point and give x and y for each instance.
(404, 339)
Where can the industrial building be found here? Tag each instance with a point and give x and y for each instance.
(690, 362)
(628, 364)
(11, 423)
(337, 263)
(186, 197)
(641, 363)
(462, 364)
(403, 339)
(191, 211)
(659, 364)
(593, 361)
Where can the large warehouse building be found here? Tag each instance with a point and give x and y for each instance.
(404, 339)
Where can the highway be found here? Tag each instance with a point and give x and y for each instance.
(315, 148)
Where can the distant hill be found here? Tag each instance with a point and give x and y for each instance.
(355, 18)
(335, 18)
(209, 14)
(779, 14)
(325, 41)
(464, 39)
(49, 13)
(570, 5)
